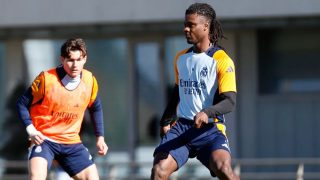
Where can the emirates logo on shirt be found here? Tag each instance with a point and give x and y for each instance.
(67, 117)
(192, 87)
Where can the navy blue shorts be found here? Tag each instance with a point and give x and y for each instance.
(73, 158)
(184, 141)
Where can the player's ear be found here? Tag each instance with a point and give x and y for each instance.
(206, 26)
(85, 59)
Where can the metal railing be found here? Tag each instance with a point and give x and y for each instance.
(268, 168)
(278, 168)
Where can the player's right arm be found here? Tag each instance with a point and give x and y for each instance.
(169, 116)
(32, 95)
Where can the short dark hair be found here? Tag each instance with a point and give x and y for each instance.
(205, 10)
(72, 45)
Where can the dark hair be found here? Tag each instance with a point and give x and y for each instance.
(203, 9)
(72, 45)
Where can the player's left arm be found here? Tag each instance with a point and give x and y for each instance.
(227, 86)
(225, 105)
(96, 114)
(227, 90)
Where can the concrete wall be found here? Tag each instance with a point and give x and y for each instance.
(73, 12)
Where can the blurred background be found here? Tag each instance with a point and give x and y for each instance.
(274, 131)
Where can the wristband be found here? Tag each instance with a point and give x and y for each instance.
(31, 130)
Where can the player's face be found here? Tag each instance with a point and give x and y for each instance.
(196, 28)
(74, 64)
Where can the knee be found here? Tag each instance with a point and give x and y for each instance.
(37, 175)
(224, 166)
(90, 172)
(159, 172)
(223, 169)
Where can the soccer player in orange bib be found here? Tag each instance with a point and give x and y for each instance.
(205, 90)
(52, 111)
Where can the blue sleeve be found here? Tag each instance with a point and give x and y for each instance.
(96, 115)
(23, 104)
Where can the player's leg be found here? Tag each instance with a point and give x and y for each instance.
(40, 160)
(163, 166)
(77, 162)
(59, 172)
(214, 152)
(38, 168)
(220, 164)
(89, 173)
(217, 158)
(172, 153)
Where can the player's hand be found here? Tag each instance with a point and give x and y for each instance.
(164, 130)
(101, 146)
(37, 138)
(200, 119)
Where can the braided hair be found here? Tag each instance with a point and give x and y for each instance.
(203, 9)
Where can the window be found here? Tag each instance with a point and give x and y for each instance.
(289, 61)
(107, 59)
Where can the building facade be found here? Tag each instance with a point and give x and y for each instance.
(275, 46)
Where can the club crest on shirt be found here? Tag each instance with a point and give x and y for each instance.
(204, 72)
